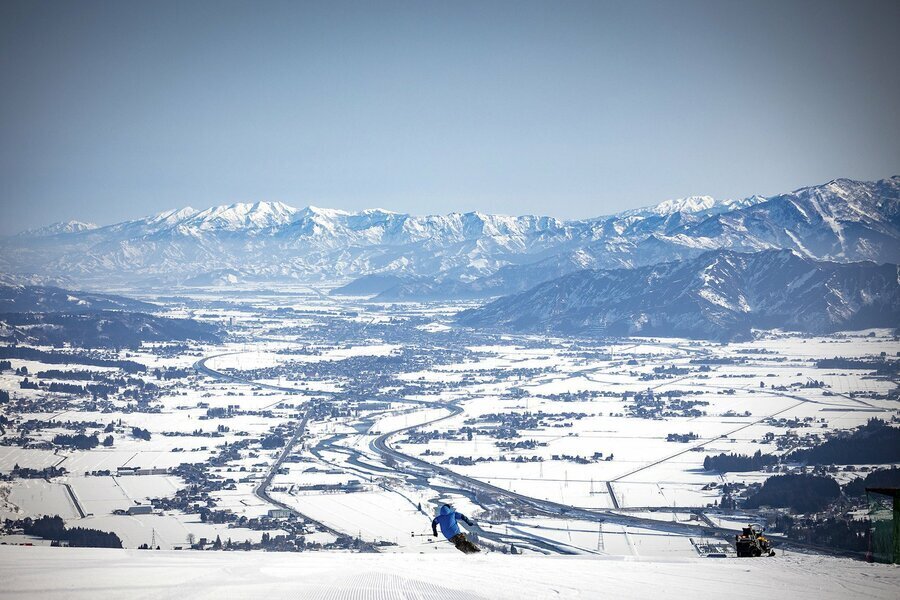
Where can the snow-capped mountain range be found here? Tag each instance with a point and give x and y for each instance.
(843, 220)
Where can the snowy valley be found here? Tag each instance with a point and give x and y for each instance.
(616, 395)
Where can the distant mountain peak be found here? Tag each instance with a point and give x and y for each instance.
(693, 205)
(378, 211)
(330, 213)
(170, 217)
(242, 215)
(59, 227)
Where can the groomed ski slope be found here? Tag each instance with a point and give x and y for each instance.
(49, 573)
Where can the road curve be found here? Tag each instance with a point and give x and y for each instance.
(201, 367)
(380, 445)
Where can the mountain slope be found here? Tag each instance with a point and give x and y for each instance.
(54, 316)
(32, 298)
(719, 295)
(843, 220)
(506, 280)
(102, 329)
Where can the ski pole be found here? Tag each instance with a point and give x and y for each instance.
(414, 534)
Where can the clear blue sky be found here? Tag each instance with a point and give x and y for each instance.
(113, 110)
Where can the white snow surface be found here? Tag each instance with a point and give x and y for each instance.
(135, 574)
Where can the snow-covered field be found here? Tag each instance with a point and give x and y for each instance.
(90, 573)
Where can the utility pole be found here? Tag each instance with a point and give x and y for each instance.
(674, 504)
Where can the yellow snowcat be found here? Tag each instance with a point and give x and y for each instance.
(750, 542)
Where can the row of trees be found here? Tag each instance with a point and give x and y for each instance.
(885, 478)
(879, 366)
(802, 493)
(79, 441)
(53, 528)
(833, 532)
(739, 463)
(65, 358)
(876, 442)
(270, 442)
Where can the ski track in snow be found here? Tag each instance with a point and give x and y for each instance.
(90, 573)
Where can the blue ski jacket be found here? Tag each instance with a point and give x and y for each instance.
(447, 521)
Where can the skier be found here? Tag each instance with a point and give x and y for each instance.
(450, 529)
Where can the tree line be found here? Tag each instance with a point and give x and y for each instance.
(53, 528)
(739, 463)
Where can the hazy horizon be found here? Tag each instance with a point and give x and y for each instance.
(115, 111)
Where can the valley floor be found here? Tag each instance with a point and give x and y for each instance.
(50, 573)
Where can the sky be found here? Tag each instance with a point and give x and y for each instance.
(116, 110)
